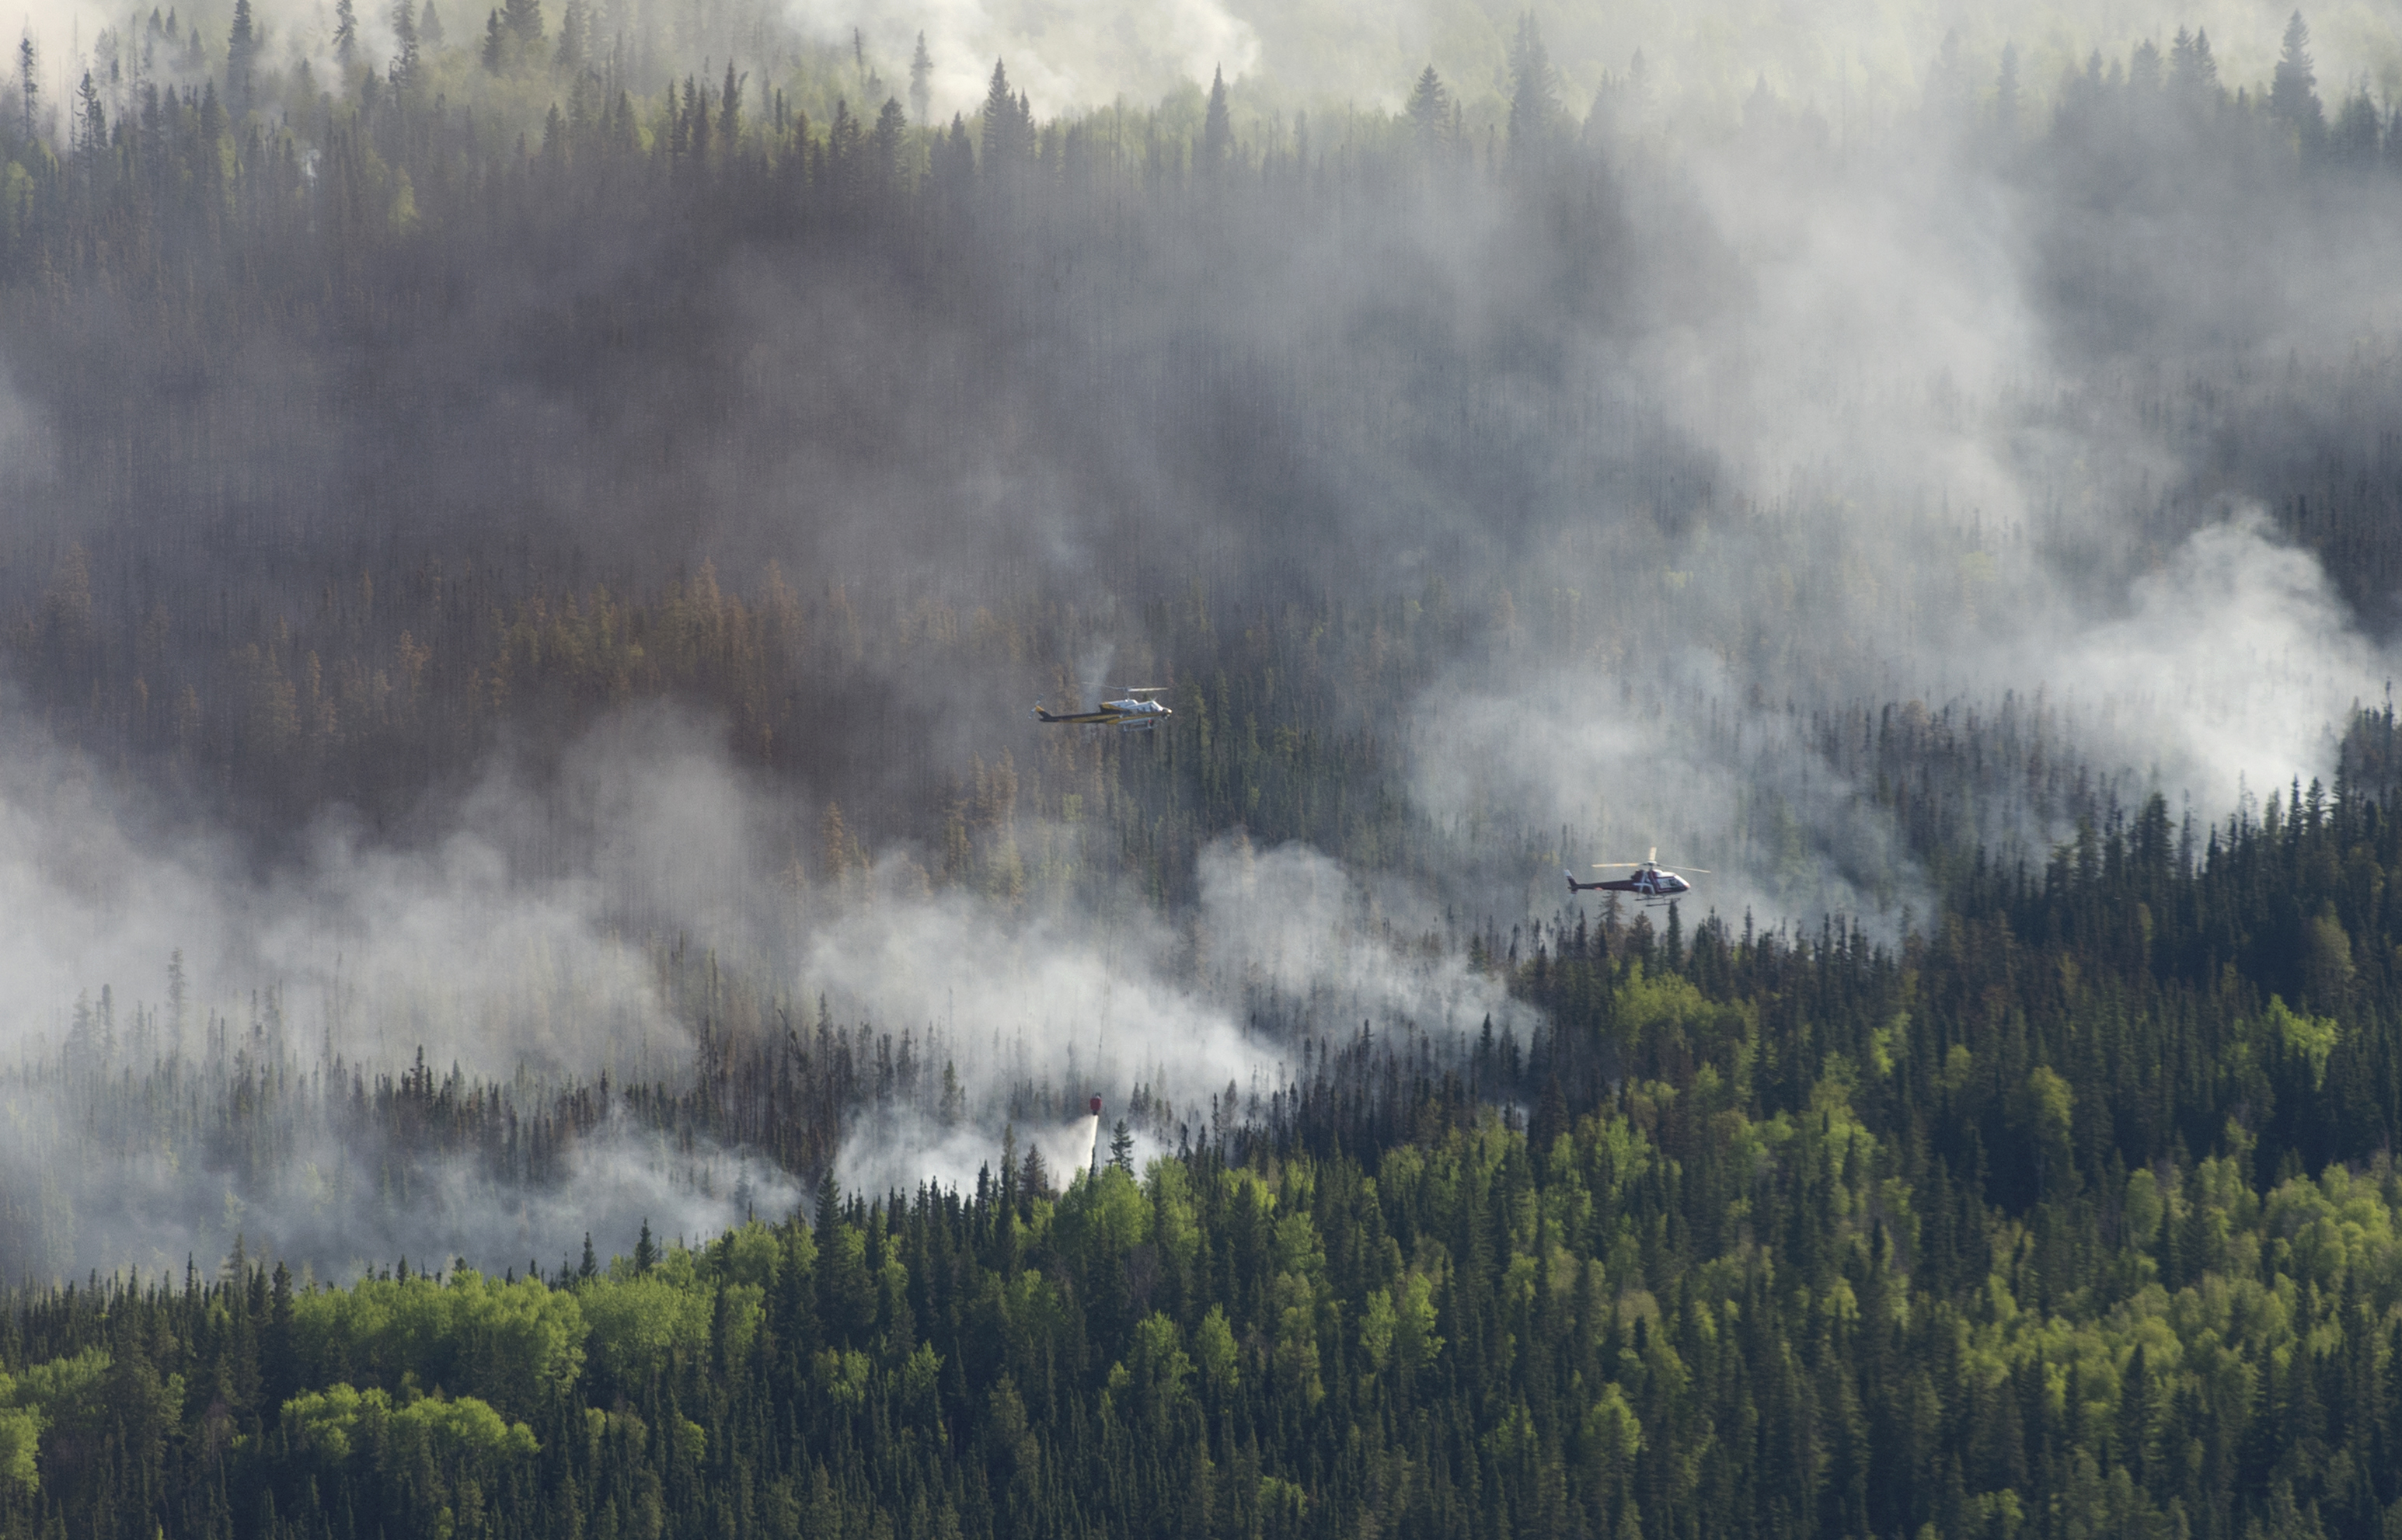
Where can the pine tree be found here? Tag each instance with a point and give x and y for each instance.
(29, 82)
(241, 47)
(884, 146)
(1121, 1148)
(2193, 74)
(403, 66)
(572, 46)
(2006, 98)
(921, 82)
(524, 20)
(1428, 110)
(1004, 127)
(92, 119)
(346, 33)
(1217, 128)
(495, 42)
(429, 26)
(1533, 95)
(2293, 97)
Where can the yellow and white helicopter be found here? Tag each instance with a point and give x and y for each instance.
(1137, 713)
(1651, 883)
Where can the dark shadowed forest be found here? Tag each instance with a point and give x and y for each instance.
(550, 974)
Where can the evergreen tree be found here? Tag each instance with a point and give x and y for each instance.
(524, 21)
(2144, 72)
(29, 82)
(92, 121)
(241, 49)
(496, 36)
(921, 78)
(2293, 96)
(1429, 111)
(729, 112)
(1008, 128)
(1217, 128)
(2352, 140)
(2006, 98)
(429, 26)
(2193, 74)
(573, 44)
(1533, 95)
(884, 146)
(403, 67)
(346, 33)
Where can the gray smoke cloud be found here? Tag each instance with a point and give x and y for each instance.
(318, 976)
(1284, 947)
(361, 953)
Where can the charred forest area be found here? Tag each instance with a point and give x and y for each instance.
(524, 565)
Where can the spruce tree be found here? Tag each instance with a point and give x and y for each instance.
(2293, 96)
(1004, 132)
(884, 146)
(524, 20)
(241, 49)
(1428, 110)
(1534, 94)
(572, 45)
(29, 82)
(1217, 128)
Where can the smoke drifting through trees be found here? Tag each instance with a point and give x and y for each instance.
(1517, 484)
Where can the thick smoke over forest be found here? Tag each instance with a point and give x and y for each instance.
(525, 562)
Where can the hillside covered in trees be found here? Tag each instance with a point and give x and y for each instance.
(546, 956)
(2075, 1216)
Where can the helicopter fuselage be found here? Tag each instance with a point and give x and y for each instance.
(1652, 884)
(1134, 714)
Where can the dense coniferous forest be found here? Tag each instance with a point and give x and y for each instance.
(531, 541)
(2073, 1216)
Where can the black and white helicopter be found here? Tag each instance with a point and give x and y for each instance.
(1651, 883)
(1137, 713)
